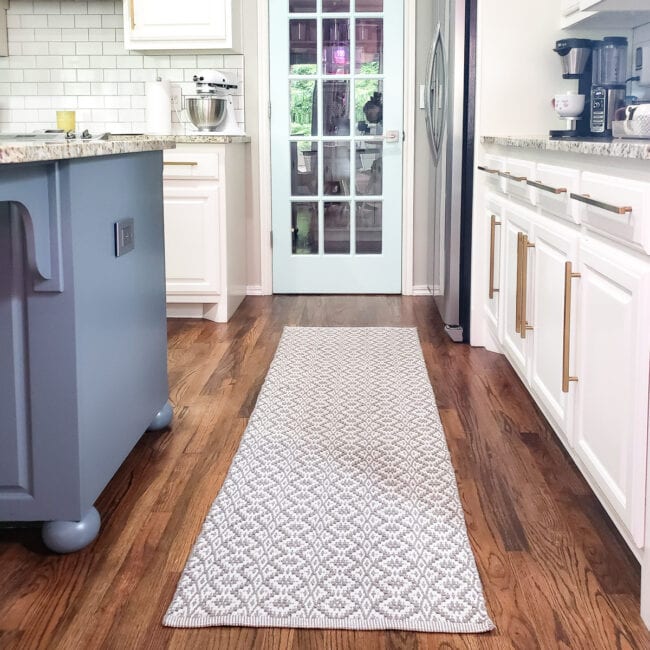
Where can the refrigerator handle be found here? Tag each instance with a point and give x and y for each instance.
(436, 95)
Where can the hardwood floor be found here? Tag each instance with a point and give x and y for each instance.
(555, 572)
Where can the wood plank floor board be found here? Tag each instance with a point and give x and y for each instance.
(555, 571)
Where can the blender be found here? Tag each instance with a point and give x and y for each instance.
(608, 83)
(575, 57)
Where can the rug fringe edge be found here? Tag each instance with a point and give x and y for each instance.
(344, 624)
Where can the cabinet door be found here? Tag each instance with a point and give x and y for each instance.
(493, 289)
(192, 24)
(192, 237)
(612, 390)
(514, 282)
(554, 247)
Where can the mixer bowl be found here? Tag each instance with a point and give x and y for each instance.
(207, 113)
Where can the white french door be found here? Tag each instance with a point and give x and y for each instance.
(336, 145)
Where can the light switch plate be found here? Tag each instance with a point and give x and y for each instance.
(124, 236)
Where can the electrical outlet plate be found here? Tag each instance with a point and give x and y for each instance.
(176, 96)
(124, 237)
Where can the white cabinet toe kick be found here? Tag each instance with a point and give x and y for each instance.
(562, 289)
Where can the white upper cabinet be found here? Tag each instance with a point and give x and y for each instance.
(604, 14)
(189, 25)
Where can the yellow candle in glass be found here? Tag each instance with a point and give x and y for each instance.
(65, 120)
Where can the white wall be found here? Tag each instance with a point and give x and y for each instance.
(69, 55)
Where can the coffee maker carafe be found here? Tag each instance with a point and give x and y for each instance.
(575, 56)
(608, 83)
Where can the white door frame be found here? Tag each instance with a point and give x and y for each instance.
(264, 134)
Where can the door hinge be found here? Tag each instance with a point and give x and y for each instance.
(269, 110)
(271, 238)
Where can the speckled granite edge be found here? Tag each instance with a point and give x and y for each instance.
(634, 149)
(23, 152)
(192, 138)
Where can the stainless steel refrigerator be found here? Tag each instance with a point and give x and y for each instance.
(449, 106)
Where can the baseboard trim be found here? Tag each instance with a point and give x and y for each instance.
(254, 290)
(422, 290)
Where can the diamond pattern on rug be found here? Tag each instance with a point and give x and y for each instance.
(340, 509)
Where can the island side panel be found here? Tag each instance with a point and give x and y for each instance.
(119, 307)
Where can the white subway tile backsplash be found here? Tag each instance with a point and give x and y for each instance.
(36, 48)
(88, 21)
(117, 75)
(74, 7)
(62, 48)
(89, 48)
(63, 75)
(57, 20)
(50, 88)
(76, 61)
(102, 61)
(76, 34)
(49, 61)
(103, 88)
(101, 35)
(36, 74)
(70, 55)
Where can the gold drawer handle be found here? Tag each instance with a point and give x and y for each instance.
(189, 163)
(493, 224)
(510, 177)
(566, 337)
(585, 198)
(487, 170)
(547, 188)
(521, 306)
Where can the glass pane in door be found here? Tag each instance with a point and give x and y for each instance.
(303, 57)
(331, 6)
(369, 168)
(369, 5)
(337, 227)
(336, 46)
(336, 108)
(369, 46)
(304, 168)
(336, 168)
(303, 107)
(369, 106)
(369, 227)
(304, 228)
(302, 6)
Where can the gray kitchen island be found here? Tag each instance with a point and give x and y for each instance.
(83, 355)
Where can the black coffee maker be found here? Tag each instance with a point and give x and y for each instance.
(576, 58)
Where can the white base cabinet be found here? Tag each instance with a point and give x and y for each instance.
(188, 25)
(572, 315)
(205, 230)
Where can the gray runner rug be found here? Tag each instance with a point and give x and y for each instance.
(340, 509)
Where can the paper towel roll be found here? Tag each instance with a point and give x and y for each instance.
(158, 108)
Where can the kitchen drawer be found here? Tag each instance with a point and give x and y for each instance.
(489, 169)
(625, 211)
(552, 187)
(516, 174)
(190, 165)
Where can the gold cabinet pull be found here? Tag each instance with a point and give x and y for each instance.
(510, 177)
(184, 163)
(487, 170)
(585, 198)
(524, 327)
(518, 291)
(547, 188)
(566, 338)
(132, 13)
(493, 224)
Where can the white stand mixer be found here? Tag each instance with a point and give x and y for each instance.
(211, 110)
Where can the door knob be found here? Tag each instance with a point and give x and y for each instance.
(391, 136)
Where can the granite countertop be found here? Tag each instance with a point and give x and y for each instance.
(12, 151)
(618, 148)
(190, 138)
